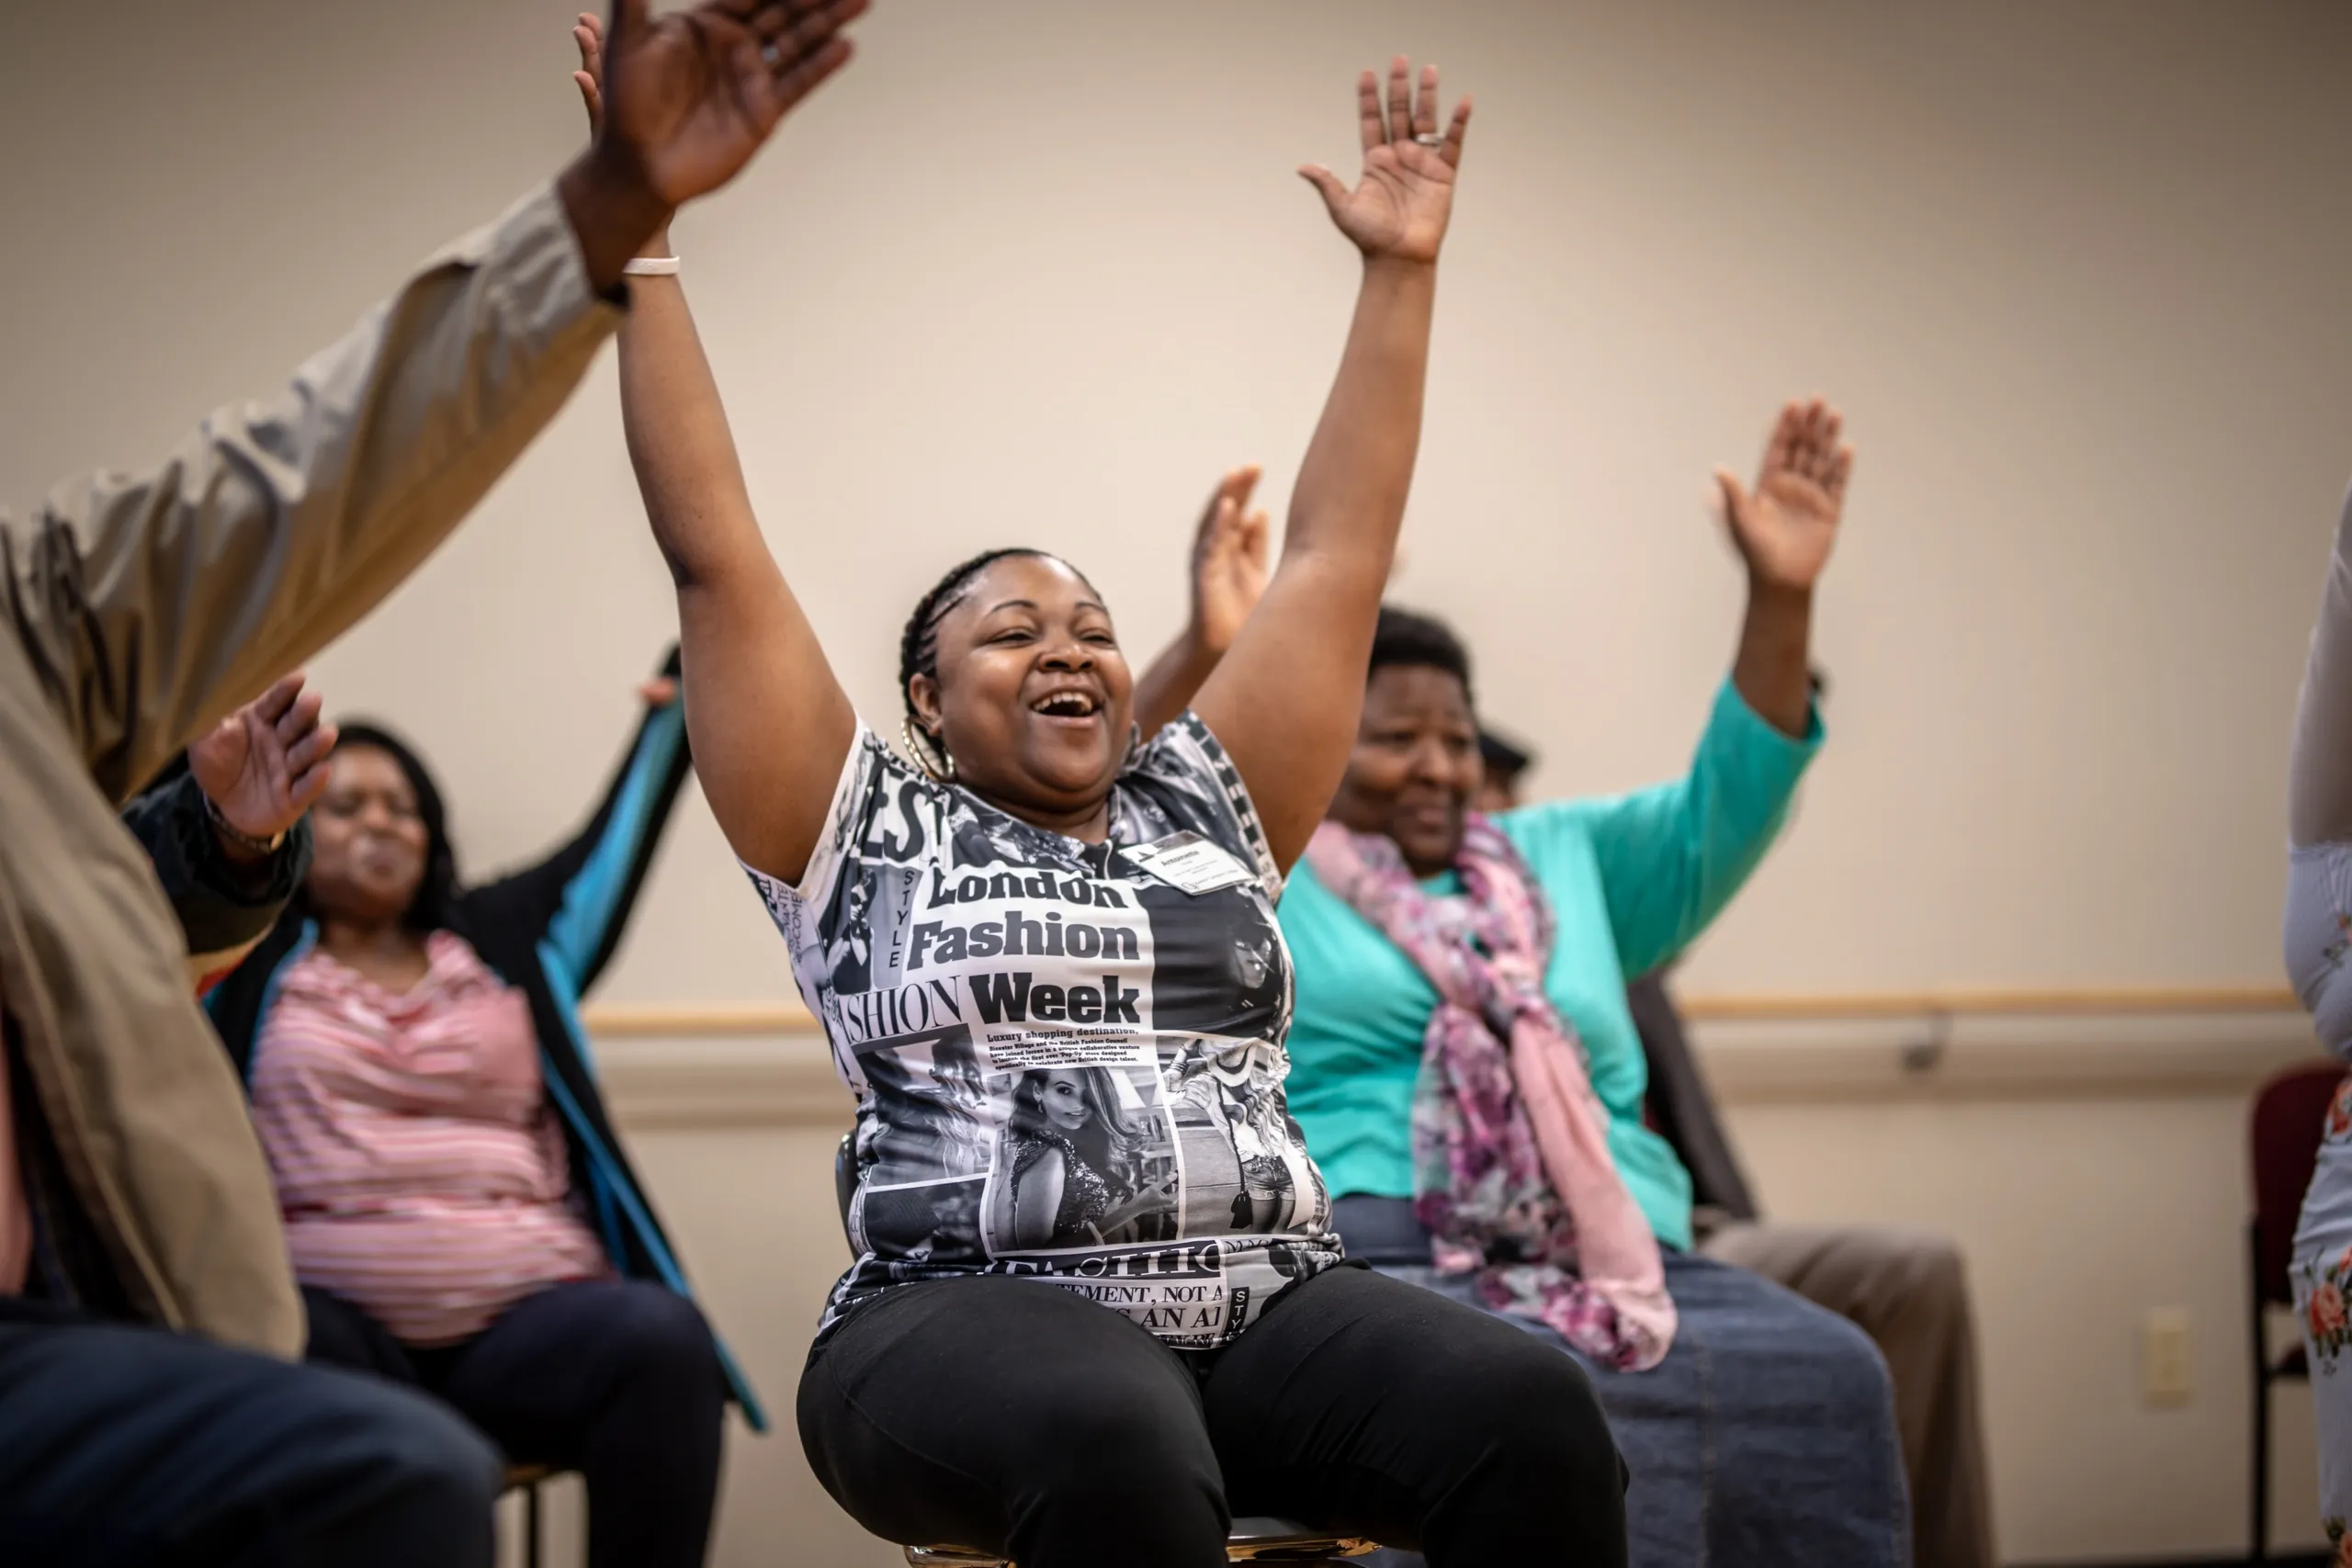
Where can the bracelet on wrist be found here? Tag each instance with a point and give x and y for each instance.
(238, 836)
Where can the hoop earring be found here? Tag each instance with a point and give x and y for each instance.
(922, 753)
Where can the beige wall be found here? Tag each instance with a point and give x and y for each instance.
(1039, 269)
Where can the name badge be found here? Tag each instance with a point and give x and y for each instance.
(1189, 861)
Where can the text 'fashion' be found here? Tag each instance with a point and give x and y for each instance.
(1069, 1056)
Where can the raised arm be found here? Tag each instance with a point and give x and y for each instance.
(151, 606)
(578, 897)
(1671, 857)
(1284, 702)
(228, 832)
(769, 724)
(1784, 531)
(1228, 571)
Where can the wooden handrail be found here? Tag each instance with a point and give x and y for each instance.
(706, 1019)
(2104, 1001)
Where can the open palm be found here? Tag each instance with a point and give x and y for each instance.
(1400, 206)
(1229, 560)
(691, 94)
(265, 764)
(1786, 528)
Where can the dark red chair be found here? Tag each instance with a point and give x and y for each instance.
(2283, 1136)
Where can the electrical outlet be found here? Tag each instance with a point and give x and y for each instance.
(2166, 1374)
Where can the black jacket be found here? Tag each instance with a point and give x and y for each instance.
(1682, 1109)
(223, 907)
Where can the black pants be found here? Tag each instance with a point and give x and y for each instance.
(1014, 1416)
(132, 1448)
(618, 1379)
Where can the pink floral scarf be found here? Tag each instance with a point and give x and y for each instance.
(1512, 1170)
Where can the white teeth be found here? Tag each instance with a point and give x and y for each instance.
(1076, 705)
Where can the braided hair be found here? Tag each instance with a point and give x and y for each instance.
(919, 644)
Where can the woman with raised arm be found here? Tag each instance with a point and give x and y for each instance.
(1043, 890)
(461, 1212)
(2318, 918)
(1475, 1089)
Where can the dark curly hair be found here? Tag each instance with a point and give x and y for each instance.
(919, 644)
(1409, 639)
(436, 890)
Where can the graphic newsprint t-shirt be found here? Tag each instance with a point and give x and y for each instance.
(1067, 1057)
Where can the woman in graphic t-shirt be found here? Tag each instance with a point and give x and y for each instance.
(1019, 881)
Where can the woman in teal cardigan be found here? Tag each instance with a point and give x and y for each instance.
(1765, 1436)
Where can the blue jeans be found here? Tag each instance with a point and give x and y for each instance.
(1766, 1439)
(135, 1447)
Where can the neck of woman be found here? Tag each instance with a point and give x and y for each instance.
(1086, 824)
(366, 943)
(1423, 870)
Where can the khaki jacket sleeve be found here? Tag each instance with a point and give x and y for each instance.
(151, 606)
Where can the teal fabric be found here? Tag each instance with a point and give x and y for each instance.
(1633, 880)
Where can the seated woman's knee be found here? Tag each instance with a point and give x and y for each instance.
(409, 1447)
(659, 1330)
(1110, 1442)
(1548, 1415)
(1520, 1402)
(1845, 1375)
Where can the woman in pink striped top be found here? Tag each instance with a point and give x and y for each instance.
(459, 1210)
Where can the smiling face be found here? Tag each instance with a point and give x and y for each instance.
(371, 842)
(1063, 1099)
(1033, 697)
(1415, 765)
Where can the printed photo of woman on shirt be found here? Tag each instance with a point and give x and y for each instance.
(933, 1084)
(1078, 1168)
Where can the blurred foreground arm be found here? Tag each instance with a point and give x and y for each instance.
(149, 605)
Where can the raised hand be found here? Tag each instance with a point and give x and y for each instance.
(1785, 529)
(1399, 208)
(1229, 560)
(265, 764)
(690, 94)
(588, 34)
(679, 102)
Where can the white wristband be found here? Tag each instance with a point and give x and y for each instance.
(651, 266)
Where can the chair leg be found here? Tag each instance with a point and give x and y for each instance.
(2260, 1533)
(2258, 1523)
(531, 1526)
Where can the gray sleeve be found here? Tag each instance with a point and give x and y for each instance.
(2319, 769)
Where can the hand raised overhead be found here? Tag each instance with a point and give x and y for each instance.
(1784, 530)
(1229, 560)
(679, 102)
(690, 94)
(1399, 208)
